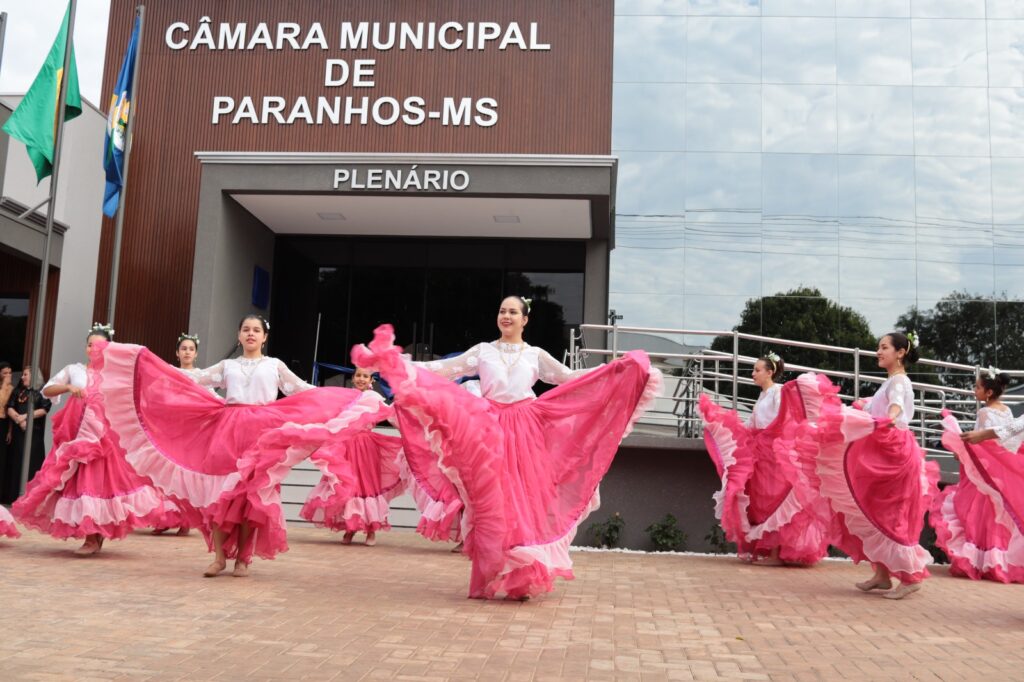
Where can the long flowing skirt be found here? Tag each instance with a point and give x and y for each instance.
(528, 471)
(209, 457)
(764, 503)
(360, 478)
(979, 522)
(436, 497)
(7, 527)
(86, 486)
(876, 481)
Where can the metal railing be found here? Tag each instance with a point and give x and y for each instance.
(720, 374)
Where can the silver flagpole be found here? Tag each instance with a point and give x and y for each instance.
(44, 267)
(115, 265)
(3, 34)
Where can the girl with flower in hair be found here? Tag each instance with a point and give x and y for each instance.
(868, 466)
(764, 506)
(526, 468)
(222, 461)
(85, 488)
(978, 522)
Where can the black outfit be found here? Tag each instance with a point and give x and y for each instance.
(21, 400)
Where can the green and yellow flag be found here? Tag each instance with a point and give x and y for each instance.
(34, 122)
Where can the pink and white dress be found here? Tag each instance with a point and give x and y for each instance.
(85, 485)
(874, 476)
(979, 522)
(527, 468)
(7, 527)
(764, 503)
(361, 475)
(207, 454)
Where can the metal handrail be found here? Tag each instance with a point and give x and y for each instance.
(717, 373)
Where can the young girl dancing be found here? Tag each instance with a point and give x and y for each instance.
(85, 488)
(372, 461)
(204, 452)
(979, 522)
(868, 466)
(526, 468)
(771, 522)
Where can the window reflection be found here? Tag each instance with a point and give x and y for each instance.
(881, 306)
(875, 119)
(799, 50)
(634, 271)
(648, 117)
(873, 8)
(1009, 282)
(951, 121)
(724, 118)
(644, 310)
(725, 7)
(949, 52)
(651, 184)
(649, 49)
(799, 118)
(1004, 9)
(655, 7)
(880, 274)
(723, 50)
(873, 51)
(1006, 111)
(1007, 197)
(799, 8)
(723, 188)
(953, 189)
(1006, 53)
(800, 189)
(949, 9)
(723, 259)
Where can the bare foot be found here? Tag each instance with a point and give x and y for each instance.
(241, 569)
(875, 584)
(183, 531)
(346, 539)
(903, 590)
(371, 539)
(769, 561)
(215, 569)
(160, 531)
(457, 549)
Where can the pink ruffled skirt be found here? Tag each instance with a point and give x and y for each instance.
(877, 483)
(86, 486)
(764, 503)
(7, 527)
(528, 471)
(360, 478)
(979, 522)
(437, 500)
(221, 464)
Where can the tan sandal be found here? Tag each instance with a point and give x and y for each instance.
(903, 590)
(874, 584)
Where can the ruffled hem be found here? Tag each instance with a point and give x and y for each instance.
(440, 521)
(7, 527)
(857, 535)
(341, 512)
(726, 438)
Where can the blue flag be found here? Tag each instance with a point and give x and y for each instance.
(117, 126)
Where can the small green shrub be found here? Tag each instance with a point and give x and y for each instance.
(718, 542)
(606, 534)
(666, 536)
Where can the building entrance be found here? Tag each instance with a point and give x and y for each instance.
(441, 295)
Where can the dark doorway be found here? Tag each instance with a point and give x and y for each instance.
(13, 329)
(441, 295)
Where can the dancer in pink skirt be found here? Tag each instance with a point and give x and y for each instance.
(204, 452)
(771, 522)
(526, 468)
(869, 467)
(85, 488)
(372, 461)
(979, 522)
(7, 527)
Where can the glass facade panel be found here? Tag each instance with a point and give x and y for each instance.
(871, 150)
(873, 51)
(949, 52)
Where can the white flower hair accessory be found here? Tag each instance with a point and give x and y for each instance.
(992, 372)
(185, 336)
(774, 357)
(98, 328)
(914, 338)
(528, 302)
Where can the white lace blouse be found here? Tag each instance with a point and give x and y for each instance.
(766, 409)
(896, 390)
(194, 374)
(507, 371)
(1009, 430)
(74, 374)
(251, 382)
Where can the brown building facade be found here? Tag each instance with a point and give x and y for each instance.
(340, 164)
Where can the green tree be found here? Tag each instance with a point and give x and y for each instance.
(965, 329)
(802, 314)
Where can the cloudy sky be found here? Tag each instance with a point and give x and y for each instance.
(31, 28)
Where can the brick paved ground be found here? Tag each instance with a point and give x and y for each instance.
(324, 611)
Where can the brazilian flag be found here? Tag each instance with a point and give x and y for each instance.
(34, 122)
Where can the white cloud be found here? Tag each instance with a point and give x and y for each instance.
(31, 29)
